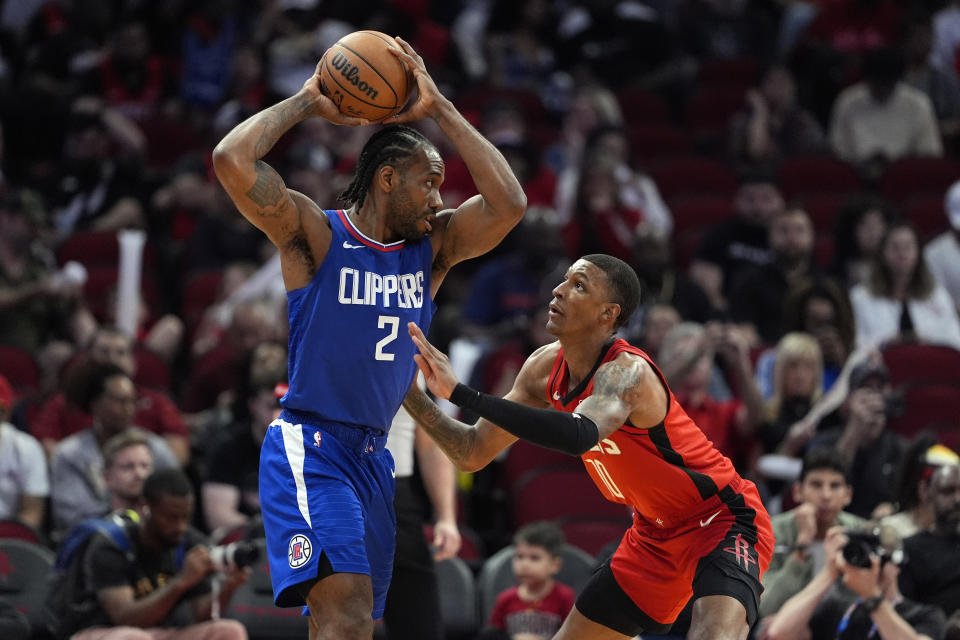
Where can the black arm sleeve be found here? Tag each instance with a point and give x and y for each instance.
(569, 433)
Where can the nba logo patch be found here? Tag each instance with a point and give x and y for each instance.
(316, 438)
(299, 551)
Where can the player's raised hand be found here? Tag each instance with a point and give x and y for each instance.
(434, 364)
(321, 105)
(429, 97)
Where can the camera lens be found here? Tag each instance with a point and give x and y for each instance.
(234, 555)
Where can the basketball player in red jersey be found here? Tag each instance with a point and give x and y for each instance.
(699, 529)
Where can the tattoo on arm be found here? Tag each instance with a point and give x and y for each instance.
(268, 191)
(277, 120)
(619, 380)
(453, 437)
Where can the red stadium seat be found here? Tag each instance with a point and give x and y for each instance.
(709, 112)
(152, 371)
(24, 575)
(99, 249)
(19, 368)
(650, 143)
(523, 457)
(199, 292)
(909, 177)
(823, 210)
(101, 285)
(693, 176)
(553, 494)
(729, 72)
(479, 98)
(928, 405)
(686, 243)
(644, 107)
(817, 175)
(911, 363)
(927, 213)
(695, 211)
(592, 534)
(16, 530)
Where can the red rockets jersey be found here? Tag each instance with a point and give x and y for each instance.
(668, 473)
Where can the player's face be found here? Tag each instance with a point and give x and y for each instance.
(580, 301)
(533, 565)
(169, 518)
(416, 200)
(828, 491)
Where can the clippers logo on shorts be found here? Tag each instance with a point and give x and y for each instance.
(299, 551)
(741, 551)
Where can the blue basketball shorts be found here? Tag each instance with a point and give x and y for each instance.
(326, 488)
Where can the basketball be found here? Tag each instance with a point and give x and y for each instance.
(362, 78)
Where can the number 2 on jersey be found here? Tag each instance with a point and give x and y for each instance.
(383, 322)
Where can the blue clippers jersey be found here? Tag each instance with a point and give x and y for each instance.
(351, 358)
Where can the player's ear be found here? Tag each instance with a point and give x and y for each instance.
(386, 178)
(611, 311)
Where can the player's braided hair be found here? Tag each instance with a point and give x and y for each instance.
(390, 144)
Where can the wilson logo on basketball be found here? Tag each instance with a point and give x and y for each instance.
(351, 74)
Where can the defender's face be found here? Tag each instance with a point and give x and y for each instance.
(415, 200)
(580, 300)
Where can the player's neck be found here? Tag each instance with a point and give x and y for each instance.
(370, 221)
(581, 353)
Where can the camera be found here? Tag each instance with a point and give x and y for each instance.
(862, 544)
(235, 555)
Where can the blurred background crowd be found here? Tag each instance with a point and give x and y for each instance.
(782, 175)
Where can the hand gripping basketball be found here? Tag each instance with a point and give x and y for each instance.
(324, 106)
(428, 96)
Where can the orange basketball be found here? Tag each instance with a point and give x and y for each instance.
(362, 78)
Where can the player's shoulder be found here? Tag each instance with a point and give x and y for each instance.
(543, 357)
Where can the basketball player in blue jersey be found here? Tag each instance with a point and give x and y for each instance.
(354, 279)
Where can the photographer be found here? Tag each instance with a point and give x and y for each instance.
(136, 595)
(847, 601)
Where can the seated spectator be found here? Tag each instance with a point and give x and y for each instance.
(933, 574)
(799, 552)
(655, 324)
(914, 497)
(942, 254)
(860, 227)
(881, 118)
(848, 601)
(687, 364)
(24, 484)
(538, 605)
(757, 292)
(230, 489)
(864, 438)
(774, 125)
(155, 411)
(739, 242)
(940, 85)
(107, 393)
(139, 593)
(797, 384)
(902, 300)
(127, 462)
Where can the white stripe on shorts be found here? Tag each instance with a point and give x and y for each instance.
(293, 446)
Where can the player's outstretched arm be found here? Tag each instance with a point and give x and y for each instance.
(254, 186)
(480, 223)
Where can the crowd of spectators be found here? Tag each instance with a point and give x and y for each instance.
(782, 175)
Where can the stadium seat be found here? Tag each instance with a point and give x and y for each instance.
(19, 368)
(694, 211)
(693, 176)
(523, 457)
(479, 98)
(593, 534)
(16, 530)
(912, 363)
(497, 575)
(643, 106)
(802, 176)
(24, 570)
(252, 605)
(927, 213)
(738, 73)
(928, 405)
(152, 371)
(708, 116)
(652, 143)
(101, 286)
(458, 599)
(552, 494)
(686, 243)
(823, 210)
(99, 249)
(910, 177)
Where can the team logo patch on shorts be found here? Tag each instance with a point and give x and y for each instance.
(299, 551)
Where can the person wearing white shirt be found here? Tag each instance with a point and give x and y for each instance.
(943, 252)
(24, 483)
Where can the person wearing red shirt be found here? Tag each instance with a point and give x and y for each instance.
(700, 531)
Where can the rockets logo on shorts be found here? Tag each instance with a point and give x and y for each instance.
(299, 551)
